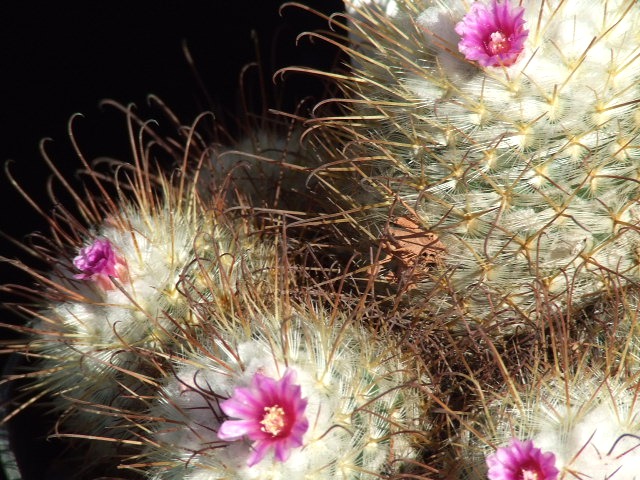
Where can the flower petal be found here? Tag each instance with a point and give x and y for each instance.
(235, 429)
(260, 449)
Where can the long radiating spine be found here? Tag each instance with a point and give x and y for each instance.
(126, 263)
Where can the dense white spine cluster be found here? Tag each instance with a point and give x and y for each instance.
(362, 402)
(88, 341)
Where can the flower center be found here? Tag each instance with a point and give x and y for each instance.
(273, 421)
(498, 44)
(528, 475)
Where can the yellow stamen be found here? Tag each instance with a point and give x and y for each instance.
(273, 421)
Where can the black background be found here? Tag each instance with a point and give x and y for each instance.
(59, 58)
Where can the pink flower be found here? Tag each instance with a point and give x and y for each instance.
(271, 413)
(521, 461)
(492, 35)
(99, 262)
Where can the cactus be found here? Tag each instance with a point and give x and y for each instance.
(124, 268)
(339, 402)
(566, 404)
(195, 319)
(587, 422)
(519, 156)
(161, 283)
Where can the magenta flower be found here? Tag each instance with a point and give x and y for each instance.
(521, 461)
(271, 413)
(99, 262)
(492, 35)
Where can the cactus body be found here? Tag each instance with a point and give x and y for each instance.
(527, 171)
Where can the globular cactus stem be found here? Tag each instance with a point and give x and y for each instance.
(509, 131)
